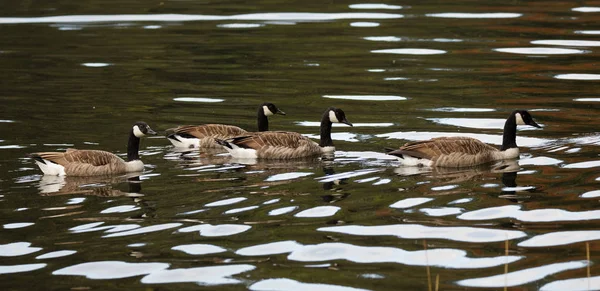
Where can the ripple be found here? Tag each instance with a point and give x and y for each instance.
(318, 124)
(588, 31)
(410, 202)
(538, 215)
(586, 9)
(565, 42)
(522, 276)
(576, 284)
(241, 25)
(583, 165)
(487, 138)
(417, 231)
(17, 249)
(587, 99)
(198, 17)
(364, 24)
(441, 211)
(20, 268)
(283, 284)
(111, 269)
(459, 109)
(475, 15)
(539, 51)
(586, 77)
(561, 238)
(272, 201)
(374, 6)
(591, 194)
(383, 38)
(198, 99)
(319, 211)
(287, 176)
(461, 201)
(210, 230)
(56, 254)
(146, 229)
(226, 202)
(120, 209)
(345, 136)
(410, 51)
(216, 275)
(238, 210)
(17, 225)
(283, 210)
(444, 258)
(539, 161)
(367, 97)
(274, 248)
(480, 123)
(199, 249)
(346, 175)
(95, 65)
(152, 26)
(444, 188)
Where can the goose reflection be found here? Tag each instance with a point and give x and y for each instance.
(92, 185)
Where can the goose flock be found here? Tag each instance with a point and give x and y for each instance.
(452, 152)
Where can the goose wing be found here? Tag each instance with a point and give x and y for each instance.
(73, 156)
(436, 147)
(209, 130)
(260, 140)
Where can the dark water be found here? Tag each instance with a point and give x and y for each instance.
(79, 74)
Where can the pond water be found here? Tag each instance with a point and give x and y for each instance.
(80, 74)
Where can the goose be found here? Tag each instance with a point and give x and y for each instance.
(76, 162)
(283, 144)
(464, 151)
(203, 136)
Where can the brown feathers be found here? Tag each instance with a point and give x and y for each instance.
(86, 162)
(278, 145)
(206, 133)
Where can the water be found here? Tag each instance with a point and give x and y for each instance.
(79, 75)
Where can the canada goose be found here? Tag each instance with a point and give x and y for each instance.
(464, 151)
(203, 136)
(284, 144)
(75, 162)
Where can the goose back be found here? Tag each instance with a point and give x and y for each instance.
(278, 145)
(207, 133)
(88, 162)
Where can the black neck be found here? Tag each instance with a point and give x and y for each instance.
(509, 139)
(326, 131)
(133, 147)
(262, 120)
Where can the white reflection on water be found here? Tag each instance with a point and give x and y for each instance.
(367, 97)
(539, 161)
(481, 123)
(238, 210)
(588, 31)
(474, 15)
(565, 42)
(146, 229)
(226, 202)
(539, 51)
(95, 65)
(586, 9)
(458, 109)
(410, 202)
(461, 200)
(374, 6)
(108, 228)
(20, 268)
(283, 210)
(410, 51)
(198, 99)
(317, 124)
(199, 249)
(17, 225)
(538, 215)
(240, 25)
(445, 258)
(17, 249)
(583, 77)
(441, 211)
(201, 275)
(417, 231)
(272, 201)
(210, 230)
(274, 248)
(120, 209)
(561, 238)
(576, 284)
(487, 138)
(287, 176)
(587, 99)
(383, 38)
(583, 165)
(345, 136)
(364, 24)
(522, 276)
(55, 254)
(591, 194)
(283, 284)
(198, 17)
(346, 175)
(111, 269)
(318, 211)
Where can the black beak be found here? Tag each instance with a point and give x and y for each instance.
(150, 131)
(345, 121)
(279, 112)
(534, 124)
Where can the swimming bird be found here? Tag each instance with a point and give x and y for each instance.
(203, 136)
(76, 162)
(464, 151)
(284, 144)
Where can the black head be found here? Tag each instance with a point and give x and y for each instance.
(337, 115)
(270, 109)
(524, 118)
(141, 129)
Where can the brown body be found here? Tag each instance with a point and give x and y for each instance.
(207, 133)
(278, 145)
(89, 162)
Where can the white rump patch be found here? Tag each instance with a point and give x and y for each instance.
(137, 132)
(267, 111)
(241, 153)
(332, 117)
(182, 142)
(50, 168)
(519, 119)
(412, 161)
(135, 166)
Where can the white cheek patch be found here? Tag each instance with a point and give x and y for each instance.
(267, 111)
(137, 132)
(519, 119)
(332, 117)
